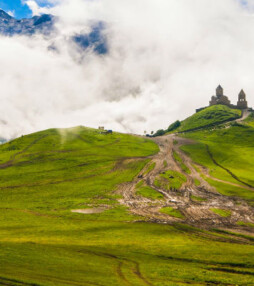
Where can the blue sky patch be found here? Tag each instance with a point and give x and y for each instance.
(18, 8)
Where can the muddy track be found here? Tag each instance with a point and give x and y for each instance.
(196, 212)
(225, 169)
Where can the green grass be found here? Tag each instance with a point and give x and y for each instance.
(148, 192)
(248, 237)
(180, 161)
(197, 182)
(232, 191)
(172, 212)
(198, 199)
(250, 120)
(170, 180)
(220, 212)
(241, 223)
(209, 116)
(150, 168)
(232, 148)
(44, 244)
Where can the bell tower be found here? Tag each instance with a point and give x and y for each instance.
(242, 102)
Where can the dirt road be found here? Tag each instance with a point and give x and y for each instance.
(194, 200)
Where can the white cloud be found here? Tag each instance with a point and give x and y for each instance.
(11, 13)
(36, 8)
(166, 58)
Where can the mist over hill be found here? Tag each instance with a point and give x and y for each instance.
(127, 67)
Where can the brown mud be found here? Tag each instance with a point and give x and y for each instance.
(196, 213)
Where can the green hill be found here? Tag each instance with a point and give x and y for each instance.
(210, 116)
(46, 176)
(206, 118)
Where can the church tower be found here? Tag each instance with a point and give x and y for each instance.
(220, 98)
(219, 91)
(242, 102)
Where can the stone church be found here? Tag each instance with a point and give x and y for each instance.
(220, 98)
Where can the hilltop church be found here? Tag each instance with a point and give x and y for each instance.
(220, 98)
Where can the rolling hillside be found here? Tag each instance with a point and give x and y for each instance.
(83, 208)
(208, 117)
(233, 147)
(228, 154)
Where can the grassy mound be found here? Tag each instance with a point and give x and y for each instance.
(68, 168)
(172, 212)
(208, 117)
(170, 180)
(147, 192)
(220, 212)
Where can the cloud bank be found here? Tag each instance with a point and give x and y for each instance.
(165, 59)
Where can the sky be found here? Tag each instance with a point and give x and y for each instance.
(166, 57)
(19, 9)
(16, 8)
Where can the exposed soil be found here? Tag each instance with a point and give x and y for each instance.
(196, 213)
(90, 211)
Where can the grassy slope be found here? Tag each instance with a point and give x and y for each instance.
(250, 120)
(43, 243)
(211, 115)
(233, 148)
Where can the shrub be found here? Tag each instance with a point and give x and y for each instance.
(174, 126)
(160, 133)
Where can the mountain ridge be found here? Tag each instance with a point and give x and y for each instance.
(95, 40)
(9, 26)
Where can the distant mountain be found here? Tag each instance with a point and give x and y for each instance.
(10, 26)
(2, 140)
(95, 39)
(45, 24)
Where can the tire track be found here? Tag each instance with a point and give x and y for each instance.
(120, 273)
(195, 202)
(139, 274)
(36, 184)
(14, 282)
(122, 262)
